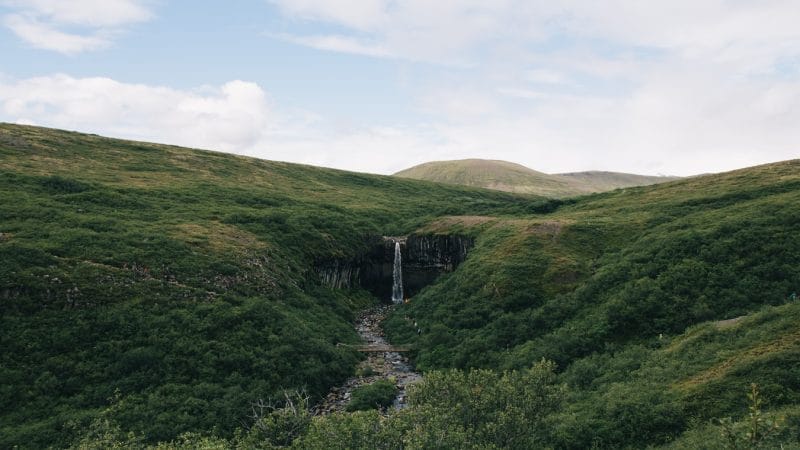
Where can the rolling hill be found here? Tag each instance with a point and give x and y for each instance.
(148, 291)
(511, 177)
(670, 295)
(180, 281)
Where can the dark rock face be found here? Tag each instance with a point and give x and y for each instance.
(339, 274)
(425, 257)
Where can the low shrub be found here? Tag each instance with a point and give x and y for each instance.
(379, 394)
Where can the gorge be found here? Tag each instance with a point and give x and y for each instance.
(422, 257)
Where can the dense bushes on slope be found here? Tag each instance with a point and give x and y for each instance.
(480, 408)
(180, 283)
(451, 409)
(602, 286)
(181, 279)
(526, 293)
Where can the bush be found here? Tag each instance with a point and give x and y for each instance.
(359, 430)
(377, 395)
(487, 408)
(278, 425)
(61, 185)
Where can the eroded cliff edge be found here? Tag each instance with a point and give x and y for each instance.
(424, 257)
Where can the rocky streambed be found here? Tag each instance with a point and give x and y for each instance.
(378, 365)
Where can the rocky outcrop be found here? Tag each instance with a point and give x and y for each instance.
(339, 274)
(425, 257)
(440, 251)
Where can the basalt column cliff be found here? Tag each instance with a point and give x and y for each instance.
(424, 258)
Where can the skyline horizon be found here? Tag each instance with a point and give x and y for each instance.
(377, 86)
(486, 159)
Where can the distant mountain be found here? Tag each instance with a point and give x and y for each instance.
(511, 177)
(599, 181)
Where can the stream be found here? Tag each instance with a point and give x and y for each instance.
(382, 365)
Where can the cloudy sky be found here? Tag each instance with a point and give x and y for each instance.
(655, 87)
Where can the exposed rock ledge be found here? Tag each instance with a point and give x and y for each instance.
(425, 257)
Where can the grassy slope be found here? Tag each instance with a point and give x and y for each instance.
(610, 287)
(510, 177)
(600, 181)
(196, 296)
(179, 279)
(499, 175)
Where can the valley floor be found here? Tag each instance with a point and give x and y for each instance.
(393, 366)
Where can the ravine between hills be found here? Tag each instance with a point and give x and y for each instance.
(388, 365)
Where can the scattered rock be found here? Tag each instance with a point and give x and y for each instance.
(387, 365)
(728, 322)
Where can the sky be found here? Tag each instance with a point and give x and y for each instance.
(676, 87)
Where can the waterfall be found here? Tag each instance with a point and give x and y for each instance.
(397, 275)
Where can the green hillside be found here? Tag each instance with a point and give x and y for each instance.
(149, 290)
(179, 280)
(510, 177)
(601, 181)
(625, 291)
(489, 174)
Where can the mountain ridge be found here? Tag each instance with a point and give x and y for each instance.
(512, 177)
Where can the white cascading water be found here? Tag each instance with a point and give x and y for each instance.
(397, 275)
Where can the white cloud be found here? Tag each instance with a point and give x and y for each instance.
(459, 103)
(343, 44)
(358, 14)
(417, 30)
(236, 117)
(448, 30)
(677, 124)
(231, 117)
(44, 36)
(677, 87)
(695, 86)
(545, 76)
(72, 27)
(96, 13)
(529, 94)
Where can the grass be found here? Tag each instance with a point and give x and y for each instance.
(180, 283)
(510, 177)
(601, 284)
(180, 278)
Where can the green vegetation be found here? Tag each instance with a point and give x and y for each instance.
(451, 409)
(510, 177)
(629, 293)
(182, 279)
(601, 181)
(154, 294)
(754, 431)
(454, 409)
(377, 395)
